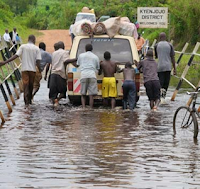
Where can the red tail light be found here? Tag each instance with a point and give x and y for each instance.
(70, 81)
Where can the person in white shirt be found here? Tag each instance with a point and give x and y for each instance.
(31, 57)
(89, 65)
(58, 80)
(7, 38)
(71, 33)
(13, 34)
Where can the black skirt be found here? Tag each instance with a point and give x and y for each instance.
(57, 85)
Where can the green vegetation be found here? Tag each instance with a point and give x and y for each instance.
(184, 15)
(9, 20)
(193, 74)
(20, 6)
(59, 14)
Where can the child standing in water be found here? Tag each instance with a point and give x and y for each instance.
(129, 89)
(151, 80)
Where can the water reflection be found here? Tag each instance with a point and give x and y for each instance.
(67, 147)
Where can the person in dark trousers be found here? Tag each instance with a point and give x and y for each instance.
(13, 36)
(57, 86)
(109, 86)
(164, 51)
(129, 88)
(151, 80)
(31, 57)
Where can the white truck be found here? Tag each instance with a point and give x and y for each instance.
(122, 49)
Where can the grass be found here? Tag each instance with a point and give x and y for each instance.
(24, 37)
(28, 32)
(193, 74)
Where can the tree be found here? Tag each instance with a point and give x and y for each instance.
(20, 6)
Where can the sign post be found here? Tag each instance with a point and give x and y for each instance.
(152, 17)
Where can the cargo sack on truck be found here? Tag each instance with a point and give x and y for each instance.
(100, 29)
(83, 28)
(87, 28)
(127, 28)
(87, 10)
(112, 26)
(125, 19)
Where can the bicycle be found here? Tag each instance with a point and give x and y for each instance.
(185, 117)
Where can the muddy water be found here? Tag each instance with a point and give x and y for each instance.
(67, 147)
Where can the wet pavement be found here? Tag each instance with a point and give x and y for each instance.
(67, 147)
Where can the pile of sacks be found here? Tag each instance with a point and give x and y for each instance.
(87, 10)
(111, 27)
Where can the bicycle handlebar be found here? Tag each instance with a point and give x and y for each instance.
(191, 93)
(195, 92)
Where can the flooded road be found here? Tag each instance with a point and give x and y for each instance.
(68, 147)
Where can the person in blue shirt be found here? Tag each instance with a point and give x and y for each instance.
(46, 59)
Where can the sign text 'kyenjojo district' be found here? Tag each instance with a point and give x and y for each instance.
(152, 17)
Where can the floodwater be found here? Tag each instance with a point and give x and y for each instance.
(71, 148)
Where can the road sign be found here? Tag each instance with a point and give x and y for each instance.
(152, 17)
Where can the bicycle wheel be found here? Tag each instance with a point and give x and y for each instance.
(185, 122)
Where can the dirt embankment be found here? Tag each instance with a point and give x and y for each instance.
(50, 37)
